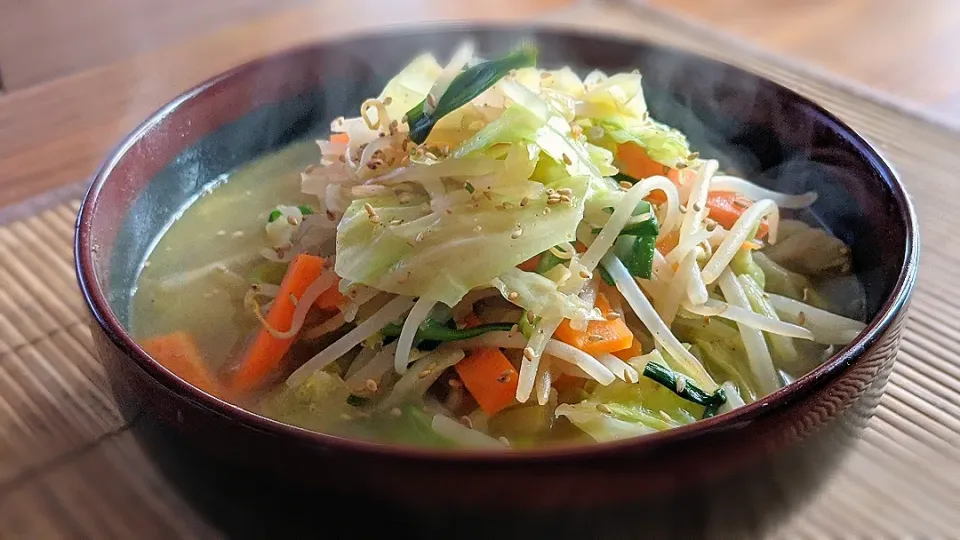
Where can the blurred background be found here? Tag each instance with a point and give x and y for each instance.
(903, 48)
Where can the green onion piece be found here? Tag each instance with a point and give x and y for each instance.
(433, 331)
(640, 260)
(526, 325)
(685, 389)
(643, 228)
(469, 187)
(469, 84)
(710, 412)
(305, 210)
(547, 261)
(275, 215)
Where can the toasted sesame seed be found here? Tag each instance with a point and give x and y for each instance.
(680, 165)
(612, 315)
(567, 160)
(697, 207)
(504, 377)
(603, 408)
(625, 185)
(369, 208)
(693, 156)
(425, 373)
(513, 295)
(565, 198)
(516, 234)
(396, 412)
(801, 318)
(565, 191)
(371, 385)
(683, 209)
(665, 416)
(420, 236)
(594, 337)
(528, 353)
(465, 420)
(524, 201)
(681, 384)
(585, 275)
(331, 216)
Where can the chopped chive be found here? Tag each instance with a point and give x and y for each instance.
(469, 187)
(275, 215)
(469, 84)
(687, 389)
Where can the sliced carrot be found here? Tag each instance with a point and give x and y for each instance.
(332, 297)
(264, 355)
(668, 242)
(726, 207)
(634, 350)
(606, 336)
(530, 265)
(179, 353)
(341, 138)
(634, 161)
(490, 378)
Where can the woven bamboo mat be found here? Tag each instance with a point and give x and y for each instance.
(68, 462)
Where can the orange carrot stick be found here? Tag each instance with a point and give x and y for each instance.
(530, 265)
(266, 351)
(606, 336)
(179, 353)
(490, 378)
(634, 161)
(340, 138)
(726, 207)
(330, 298)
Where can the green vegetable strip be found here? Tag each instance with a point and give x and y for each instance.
(305, 210)
(640, 261)
(275, 215)
(547, 261)
(526, 325)
(432, 331)
(649, 227)
(464, 88)
(687, 390)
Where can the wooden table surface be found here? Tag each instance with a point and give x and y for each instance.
(78, 76)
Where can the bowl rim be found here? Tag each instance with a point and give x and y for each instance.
(96, 298)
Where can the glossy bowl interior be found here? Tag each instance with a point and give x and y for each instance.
(760, 129)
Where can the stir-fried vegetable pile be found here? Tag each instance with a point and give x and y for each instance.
(502, 255)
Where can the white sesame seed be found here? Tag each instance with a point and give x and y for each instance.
(513, 295)
(516, 234)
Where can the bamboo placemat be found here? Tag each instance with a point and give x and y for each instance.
(70, 467)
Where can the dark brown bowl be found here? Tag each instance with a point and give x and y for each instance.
(731, 474)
